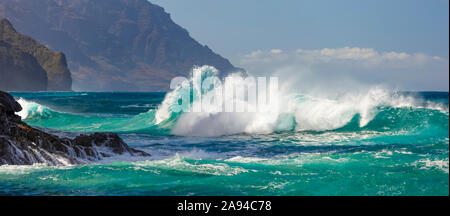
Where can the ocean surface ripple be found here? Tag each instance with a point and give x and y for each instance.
(372, 143)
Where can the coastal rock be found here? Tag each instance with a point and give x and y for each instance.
(8, 104)
(21, 144)
(29, 65)
(109, 141)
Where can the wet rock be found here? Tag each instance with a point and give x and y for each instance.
(21, 144)
(110, 141)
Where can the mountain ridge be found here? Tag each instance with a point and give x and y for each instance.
(118, 45)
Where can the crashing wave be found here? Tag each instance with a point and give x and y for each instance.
(293, 113)
(375, 109)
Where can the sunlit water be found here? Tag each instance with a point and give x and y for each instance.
(394, 146)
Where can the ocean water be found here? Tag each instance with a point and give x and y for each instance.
(373, 143)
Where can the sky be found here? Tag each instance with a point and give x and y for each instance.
(405, 43)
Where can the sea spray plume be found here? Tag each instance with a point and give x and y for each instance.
(293, 111)
(319, 114)
(30, 108)
(325, 104)
(342, 68)
(213, 112)
(323, 100)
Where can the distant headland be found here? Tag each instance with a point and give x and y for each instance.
(116, 45)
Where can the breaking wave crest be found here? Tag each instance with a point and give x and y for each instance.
(376, 109)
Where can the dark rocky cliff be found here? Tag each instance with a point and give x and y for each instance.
(21, 144)
(113, 44)
(19, 72)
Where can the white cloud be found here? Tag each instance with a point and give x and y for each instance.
(354, 53)
(394, 55)
(338, 54)
(406, 71)
(276, 51)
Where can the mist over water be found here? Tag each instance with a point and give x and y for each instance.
(370, 141)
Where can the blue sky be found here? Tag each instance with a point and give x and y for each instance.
(237, 28)
(241, 26)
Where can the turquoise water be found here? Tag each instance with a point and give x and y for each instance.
(391, 145)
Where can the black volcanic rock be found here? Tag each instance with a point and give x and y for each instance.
(21, 144)
(113, 44)
(23, 67)
(8, 104)
(110, 141)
